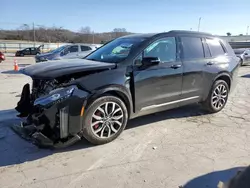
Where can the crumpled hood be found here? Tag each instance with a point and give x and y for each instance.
(53, 69)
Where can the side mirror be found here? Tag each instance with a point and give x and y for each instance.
(245, 53)
(150, 61)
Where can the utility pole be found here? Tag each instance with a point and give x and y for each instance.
(93, 39)
(247, 29)
(34, 34)
(199, 24)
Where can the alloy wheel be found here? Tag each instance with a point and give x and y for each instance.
(219, 96)
(107, 120)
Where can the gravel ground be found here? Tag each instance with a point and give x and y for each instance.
(181, 147)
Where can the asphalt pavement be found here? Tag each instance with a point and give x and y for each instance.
(181, 147)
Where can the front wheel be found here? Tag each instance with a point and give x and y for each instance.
(104, 120)
(217, 97)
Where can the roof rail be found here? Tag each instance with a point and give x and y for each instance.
(189, 32)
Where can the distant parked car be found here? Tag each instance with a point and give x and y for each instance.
(2, 57)
(243, 54)
(29, 51)
(67, 52)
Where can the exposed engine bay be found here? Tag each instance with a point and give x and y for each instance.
(47, 108)
(53, 106)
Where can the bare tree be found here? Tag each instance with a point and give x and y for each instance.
(85, 30)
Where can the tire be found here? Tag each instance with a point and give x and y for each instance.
(210, 103)
(110, 128)
(21, 55)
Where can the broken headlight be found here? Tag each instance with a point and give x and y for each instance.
(55, 96)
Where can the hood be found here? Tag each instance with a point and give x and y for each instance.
(53, 69)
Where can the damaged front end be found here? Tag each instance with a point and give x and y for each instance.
(54, 118)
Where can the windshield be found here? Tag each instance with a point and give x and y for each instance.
(58, 49)
(239, 51)
(115, 51)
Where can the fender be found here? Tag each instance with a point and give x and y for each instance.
(223, 74)
(206, 91)
(118, 90)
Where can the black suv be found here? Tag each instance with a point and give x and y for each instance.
(130, 76)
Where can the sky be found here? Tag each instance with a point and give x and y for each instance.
(139, 16)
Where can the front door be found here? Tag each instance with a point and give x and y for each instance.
(158, 85)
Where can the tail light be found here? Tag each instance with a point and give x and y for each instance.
(2, 57)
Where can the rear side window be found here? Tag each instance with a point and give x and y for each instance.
(215, 47)
(85, 48)
(192, 48)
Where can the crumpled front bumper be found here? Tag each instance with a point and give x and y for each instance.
(30, 133)
(54, 121)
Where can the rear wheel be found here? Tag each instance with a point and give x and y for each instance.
(21, 55)
(104, 120)
(217, 97)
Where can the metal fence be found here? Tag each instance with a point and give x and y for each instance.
(13, 46)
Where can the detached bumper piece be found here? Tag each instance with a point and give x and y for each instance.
(54, 120)
(30, 133)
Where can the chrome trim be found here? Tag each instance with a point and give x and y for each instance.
(64, 122)
(168, 103)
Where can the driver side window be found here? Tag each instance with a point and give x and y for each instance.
(164, 49)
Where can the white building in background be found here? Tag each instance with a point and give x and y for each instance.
(244, 38)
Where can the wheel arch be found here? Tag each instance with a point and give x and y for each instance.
(224, 76)
(115, 90)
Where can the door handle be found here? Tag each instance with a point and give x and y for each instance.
(210, 63)
(175, 66)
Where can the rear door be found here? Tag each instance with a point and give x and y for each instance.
(84, 50)
(193, 59)
(26, 51)
(33, 51)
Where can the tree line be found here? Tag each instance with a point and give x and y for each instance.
(59, 34)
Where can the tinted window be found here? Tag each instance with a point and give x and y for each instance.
(85, 48)
(192, 48)
(72, 49)
(164, 49)
(215, 47)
